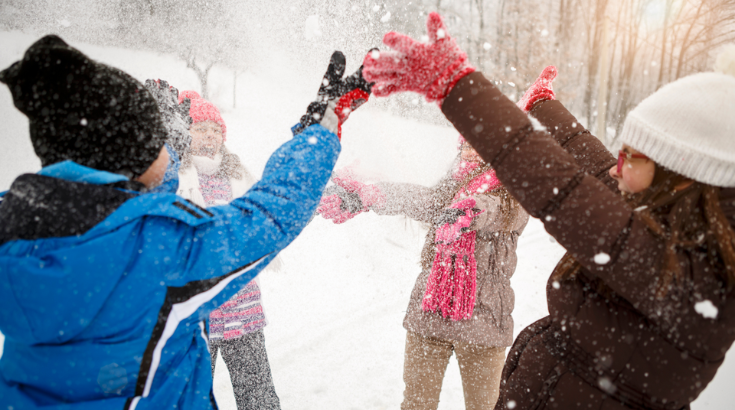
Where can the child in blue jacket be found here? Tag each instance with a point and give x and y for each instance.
(104, 283)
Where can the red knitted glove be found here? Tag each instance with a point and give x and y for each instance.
(430, 69)
(541, 90)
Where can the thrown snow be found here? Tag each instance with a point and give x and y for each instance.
(311, 28)
(602, 258)
(537, 126)
(707, 309)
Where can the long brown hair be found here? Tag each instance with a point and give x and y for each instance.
(687, 219)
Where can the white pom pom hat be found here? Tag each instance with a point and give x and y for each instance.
(688, 126)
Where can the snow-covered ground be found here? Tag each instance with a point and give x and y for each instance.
(335, 338)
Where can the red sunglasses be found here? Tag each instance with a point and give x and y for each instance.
(623, 155)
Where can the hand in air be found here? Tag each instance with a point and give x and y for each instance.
(337, 97)
(430, 69)
(349, 198)
(340, 207)
(539, 91)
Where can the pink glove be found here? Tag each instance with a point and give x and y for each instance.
(541, 90)
(370, 195)
(331, 207)
(430, 69)
(450, 232)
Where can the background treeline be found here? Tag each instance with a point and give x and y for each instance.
(610, 54)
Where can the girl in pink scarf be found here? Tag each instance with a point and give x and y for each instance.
(462, 299)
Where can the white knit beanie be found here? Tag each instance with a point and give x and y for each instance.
(688, 126)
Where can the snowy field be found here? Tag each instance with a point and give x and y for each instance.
(335, 338)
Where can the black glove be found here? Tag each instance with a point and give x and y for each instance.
(337, 97)
(175, 116)
(448, 216)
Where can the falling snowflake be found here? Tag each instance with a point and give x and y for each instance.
(707, 309)
(602, 258)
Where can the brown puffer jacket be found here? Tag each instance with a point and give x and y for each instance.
(498, 229)
(625, 347)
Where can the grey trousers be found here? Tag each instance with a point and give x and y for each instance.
(250, 372)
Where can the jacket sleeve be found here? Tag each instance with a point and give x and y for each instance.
(595, 225)
(589, 152)
(242, 237)
(414, 201)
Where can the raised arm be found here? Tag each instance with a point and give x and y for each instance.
(417, 202)
(233, 242)
(582, 213)
(218, 250)
(589, 152)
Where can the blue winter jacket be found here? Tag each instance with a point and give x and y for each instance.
(104, 290)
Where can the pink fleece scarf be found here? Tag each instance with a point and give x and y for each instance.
(452, 284)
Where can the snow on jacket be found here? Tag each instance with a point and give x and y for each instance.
(491, 323)
(105, 290)
(244, 312)
(626, 347)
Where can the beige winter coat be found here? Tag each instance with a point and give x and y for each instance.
(491, 323)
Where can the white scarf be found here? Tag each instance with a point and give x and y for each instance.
(206, 165)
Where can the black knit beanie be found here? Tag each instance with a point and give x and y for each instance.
(85, 111)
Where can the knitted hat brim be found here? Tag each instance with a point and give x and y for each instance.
(684, 127)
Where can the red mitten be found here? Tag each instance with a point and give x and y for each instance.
(331, 207)
(541, 90)
(450, 232)
(430, 69)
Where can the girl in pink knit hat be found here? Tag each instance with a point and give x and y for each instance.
(462, 299)
(211, 175)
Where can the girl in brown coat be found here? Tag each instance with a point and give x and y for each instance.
(642, 309)
(462, 299)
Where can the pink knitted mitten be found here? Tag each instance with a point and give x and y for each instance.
(541, 90)
(370, 195)
(430, 69)
(332, 207)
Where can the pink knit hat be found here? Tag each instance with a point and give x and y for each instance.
(203, 110)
